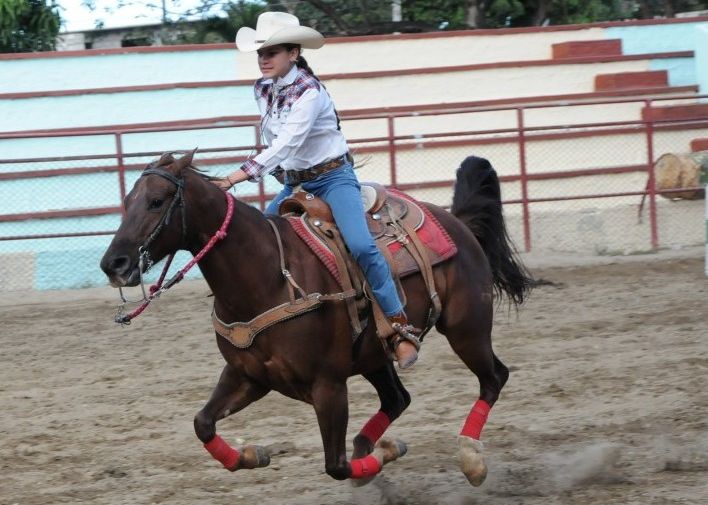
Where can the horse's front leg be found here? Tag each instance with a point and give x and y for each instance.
(331, 406)
(232, 393)
(394, 400)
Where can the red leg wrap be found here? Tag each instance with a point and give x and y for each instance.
(223, 452)
(376, 426)
(365, 467)
(475, 421)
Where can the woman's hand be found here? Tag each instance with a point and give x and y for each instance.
(223, 183)
(230, 180)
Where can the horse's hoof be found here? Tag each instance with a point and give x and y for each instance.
(385, 450)
(472, 460)
(362, 447)
(254, 456)
(361, 482)
(390, 449)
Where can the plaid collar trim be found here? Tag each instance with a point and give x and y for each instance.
(292, 86)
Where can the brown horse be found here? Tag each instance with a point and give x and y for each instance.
(310, 357)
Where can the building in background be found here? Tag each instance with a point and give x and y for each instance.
(156, 34)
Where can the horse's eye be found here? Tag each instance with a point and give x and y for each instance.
(155, 204)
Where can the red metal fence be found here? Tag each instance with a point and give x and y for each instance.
(437, 151)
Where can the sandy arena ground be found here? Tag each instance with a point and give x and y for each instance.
(607, 402)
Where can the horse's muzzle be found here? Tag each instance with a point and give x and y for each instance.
(121, 271)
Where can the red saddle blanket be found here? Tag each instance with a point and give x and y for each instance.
(439, 245)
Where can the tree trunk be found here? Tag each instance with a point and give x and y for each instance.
(331, 13)
(645, 10)
(668, 8)
(289, 5)
(541, 13)
(476, 10)
(678, 171)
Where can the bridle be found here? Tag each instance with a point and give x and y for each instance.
(144, 260)
(177, 200)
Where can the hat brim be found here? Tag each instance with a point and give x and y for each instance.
(302, 35)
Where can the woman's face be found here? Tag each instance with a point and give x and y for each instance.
(275, 61)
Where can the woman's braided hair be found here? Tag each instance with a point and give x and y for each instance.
(302, 63)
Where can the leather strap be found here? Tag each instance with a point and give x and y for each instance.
(286, 273)
(242, 334)
(418, 251)
(330, 230)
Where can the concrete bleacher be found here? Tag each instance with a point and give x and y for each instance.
(88, 88)
(479, 77)
(487, 67)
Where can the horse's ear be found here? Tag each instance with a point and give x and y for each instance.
(185, 161)
(165, 160)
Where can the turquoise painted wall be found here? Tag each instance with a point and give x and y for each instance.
(682, 71)
(100, 71)
(701, 37)
(130, 107)
(660, 38)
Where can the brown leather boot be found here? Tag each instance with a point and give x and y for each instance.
(404, 343)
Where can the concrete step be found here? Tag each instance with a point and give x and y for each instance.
(676, 112)
(632, 80)
(586, 48)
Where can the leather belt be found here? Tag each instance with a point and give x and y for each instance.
(296, 177)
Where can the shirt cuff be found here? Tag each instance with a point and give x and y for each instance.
(253, 169)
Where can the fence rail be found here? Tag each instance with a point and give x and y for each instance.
(540, 162)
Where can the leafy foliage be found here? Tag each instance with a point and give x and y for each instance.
(219, 29)
(221, 19)
(369, 16)
(28, 25)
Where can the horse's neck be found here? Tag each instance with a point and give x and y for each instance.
(243, 269)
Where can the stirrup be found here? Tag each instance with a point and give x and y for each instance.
(404, 332)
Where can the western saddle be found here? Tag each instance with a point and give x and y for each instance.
(390, 218)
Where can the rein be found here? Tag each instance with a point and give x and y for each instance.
(158, 288)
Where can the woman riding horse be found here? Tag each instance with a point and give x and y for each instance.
(249, 261)
(301, 126)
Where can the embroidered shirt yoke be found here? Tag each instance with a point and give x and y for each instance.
(298, 122)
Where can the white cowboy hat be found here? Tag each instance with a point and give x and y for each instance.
(275, 28)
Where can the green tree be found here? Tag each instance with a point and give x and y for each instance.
(218, 29)
(563, 12)
(28, 25)
(364, 17)
(668, 8)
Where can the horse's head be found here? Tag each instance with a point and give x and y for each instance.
(154, 222)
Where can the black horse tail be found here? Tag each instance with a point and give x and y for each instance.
(477, 203)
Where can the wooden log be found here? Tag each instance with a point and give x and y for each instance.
(683, 170)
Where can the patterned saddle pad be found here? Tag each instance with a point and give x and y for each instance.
(397, 207)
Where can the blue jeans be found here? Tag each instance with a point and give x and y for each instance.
(341, 190)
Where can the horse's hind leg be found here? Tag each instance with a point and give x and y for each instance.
(394, 400)
(472, 343)
(331, 406)
(232, 393)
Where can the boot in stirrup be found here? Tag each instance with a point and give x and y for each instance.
(404, 342)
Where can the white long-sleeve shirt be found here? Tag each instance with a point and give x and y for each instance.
(299, 124)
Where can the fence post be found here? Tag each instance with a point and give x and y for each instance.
(261, 184)
(121, 170)
(704, 181)
(392, 151)
(526, 215)
(649, 127)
